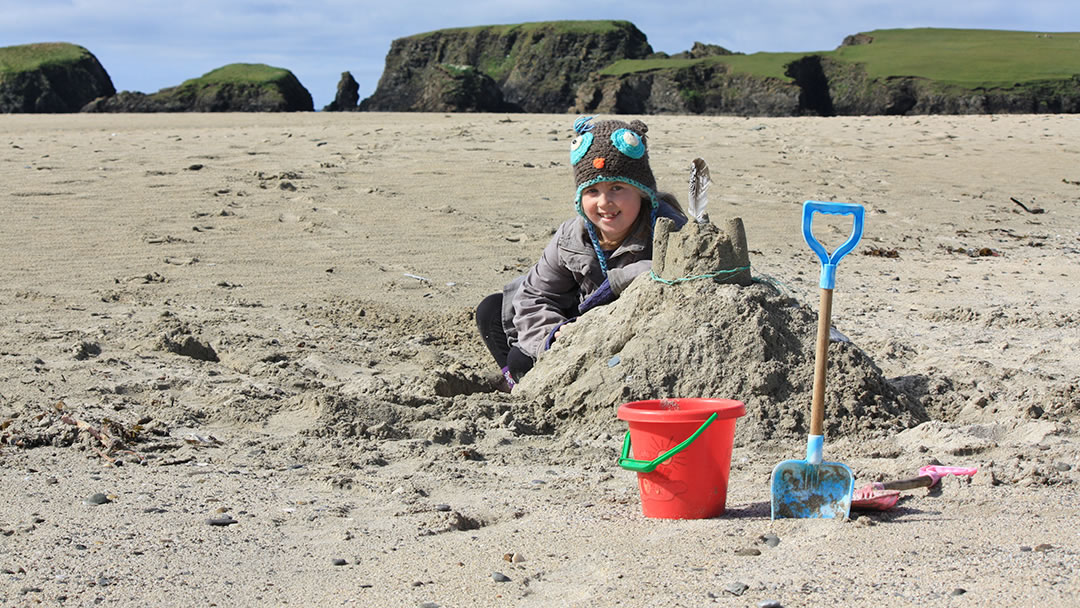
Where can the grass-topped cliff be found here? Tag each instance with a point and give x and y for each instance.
(608, 66)
(258, 74)
(973, 59)
(27, 57)
(923, 70)
(536, 66)
(544, 38)
(63, 77)
(554, 27)
(50, 77)
(237, 87)
(257, 86)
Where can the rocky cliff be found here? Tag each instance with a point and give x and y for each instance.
(816, 86)
(51, 77)
(237, 87)
(533, 67)
(848, 83)
(608, 67)
(704, 88)
(839, 88)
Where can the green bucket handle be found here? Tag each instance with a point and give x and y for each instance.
(647, 466)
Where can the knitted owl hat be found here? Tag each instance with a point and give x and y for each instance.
(611, 151)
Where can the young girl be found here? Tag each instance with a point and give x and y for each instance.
(592, 257)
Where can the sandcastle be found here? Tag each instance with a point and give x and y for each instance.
(699, 325)
(701, 250)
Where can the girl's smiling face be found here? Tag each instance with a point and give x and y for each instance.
(612, 207)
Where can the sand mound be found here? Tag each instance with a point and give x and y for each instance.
(701, 338)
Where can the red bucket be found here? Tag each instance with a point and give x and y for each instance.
(682, 454)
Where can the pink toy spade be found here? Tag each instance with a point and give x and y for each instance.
(883, 496)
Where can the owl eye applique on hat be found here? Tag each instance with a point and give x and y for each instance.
(628, 142)
(580, 147)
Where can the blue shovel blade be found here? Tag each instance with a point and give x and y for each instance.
(811, 491)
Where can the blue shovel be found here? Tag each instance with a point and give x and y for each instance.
(812, 489)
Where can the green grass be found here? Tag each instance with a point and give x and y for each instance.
(558, 27)
(26, 57)
(457, 70)
(630, 66)
(970, 59)
(770, 65)
(240, 73)
(498, 65)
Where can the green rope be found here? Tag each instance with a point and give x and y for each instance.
(775, 283)
(711, 275)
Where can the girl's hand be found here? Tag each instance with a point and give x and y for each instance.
(604, 294)
(555, 333)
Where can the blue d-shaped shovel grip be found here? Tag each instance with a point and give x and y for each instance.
(829, 262)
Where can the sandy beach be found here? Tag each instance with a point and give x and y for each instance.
(239, 366)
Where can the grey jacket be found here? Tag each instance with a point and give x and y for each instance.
(568, 272)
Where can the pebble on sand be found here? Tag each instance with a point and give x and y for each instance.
(221, 521)
(97, 499)
(499, 577)
(736, 588)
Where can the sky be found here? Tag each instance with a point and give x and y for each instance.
(148, 45)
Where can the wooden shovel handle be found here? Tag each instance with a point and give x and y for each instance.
(922, 481)
(821, 361)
